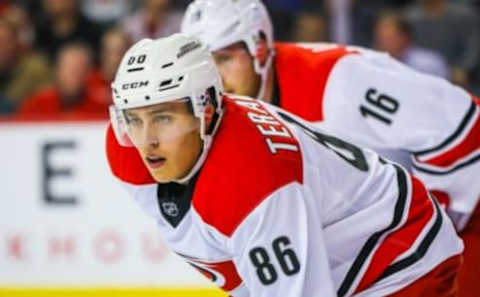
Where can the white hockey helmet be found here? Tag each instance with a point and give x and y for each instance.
(221, 23)
(171, 69)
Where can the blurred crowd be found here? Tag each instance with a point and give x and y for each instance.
(58, 57)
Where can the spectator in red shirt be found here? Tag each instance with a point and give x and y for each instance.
(71, 94)
(22, 71)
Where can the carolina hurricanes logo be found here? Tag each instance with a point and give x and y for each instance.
(222, 274)
(210, 273)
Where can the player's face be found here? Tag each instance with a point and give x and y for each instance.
(167, 137)
(237, 70)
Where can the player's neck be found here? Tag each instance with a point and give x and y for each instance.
(268, 97)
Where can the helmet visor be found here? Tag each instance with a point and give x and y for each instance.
(156, 124)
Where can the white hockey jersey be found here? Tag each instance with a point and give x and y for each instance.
(281, 209)
(423, 122)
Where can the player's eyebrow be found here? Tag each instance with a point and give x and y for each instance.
(157, 110)
(160, 109)
(233, 47)
(130, 114)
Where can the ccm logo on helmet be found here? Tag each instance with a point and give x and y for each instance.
(135, 85)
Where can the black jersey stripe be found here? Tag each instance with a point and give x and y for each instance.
(422, 248)
(466, 119)
(369, 246)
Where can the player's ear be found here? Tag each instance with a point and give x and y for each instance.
(262, 51)
(209, 114)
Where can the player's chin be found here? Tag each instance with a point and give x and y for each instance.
(162, 179)
(162, 175)
(169, 173)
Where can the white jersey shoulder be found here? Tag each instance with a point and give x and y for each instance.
(421, 121)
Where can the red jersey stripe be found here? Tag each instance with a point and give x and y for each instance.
(469, 144)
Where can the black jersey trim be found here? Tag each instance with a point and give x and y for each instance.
(422, 248)
(174, 200)
(466, 119)
(369, 246)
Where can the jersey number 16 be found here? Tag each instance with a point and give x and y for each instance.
(380, 107)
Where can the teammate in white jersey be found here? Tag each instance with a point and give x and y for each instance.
(423, 122)
(261, 202)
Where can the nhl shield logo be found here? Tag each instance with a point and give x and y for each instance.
(170, 209)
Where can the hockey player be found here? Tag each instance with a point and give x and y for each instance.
(261, 202)
(425, 123)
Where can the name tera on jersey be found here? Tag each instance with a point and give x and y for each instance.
(273, 130)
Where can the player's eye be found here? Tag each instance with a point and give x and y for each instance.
(162, 119)
(134, 121)
(220, 59)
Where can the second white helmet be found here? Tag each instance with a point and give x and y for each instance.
(221, 23)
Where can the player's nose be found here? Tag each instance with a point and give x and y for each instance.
(150, 138)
